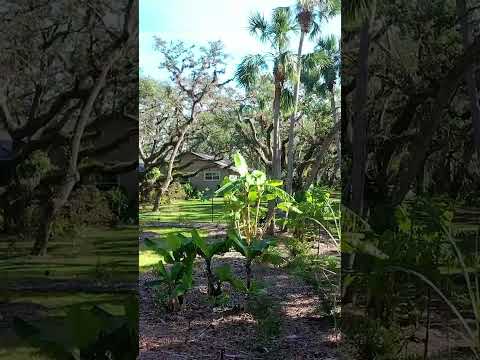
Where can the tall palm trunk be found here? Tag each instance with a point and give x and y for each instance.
(333, 109)
(293, 118)
(276, 154)
(277, 150)
(470, 75)
(360, 124)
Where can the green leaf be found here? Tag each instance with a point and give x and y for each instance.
(240, 164)
(227, 187)
(274, 183)
(257, 247)
(224, 273)
(239, 243)
(200, 243)
(177, 270)
(252, 196)
(259, 176)
(284, 206)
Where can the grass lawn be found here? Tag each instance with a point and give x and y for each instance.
(97, 254)
(186, 211)
(180, 211)
(107, 253)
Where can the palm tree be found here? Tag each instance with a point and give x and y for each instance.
(276, 33)
(309, 22)
(320, 76)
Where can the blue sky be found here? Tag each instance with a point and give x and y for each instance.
(198, 22)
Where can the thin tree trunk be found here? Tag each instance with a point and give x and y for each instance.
(41, 241)
(470, 74)
(360, 124)
(293, 119)
(52, 207)
(62, 193)
(169, 178)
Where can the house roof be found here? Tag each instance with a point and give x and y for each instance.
(223, 163)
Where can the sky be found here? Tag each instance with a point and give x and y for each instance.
(197, 22)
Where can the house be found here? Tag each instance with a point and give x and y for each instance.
(125, 151)
(205, 172)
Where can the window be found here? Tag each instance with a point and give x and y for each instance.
(212, 176)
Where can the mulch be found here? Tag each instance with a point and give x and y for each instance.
(202, 330)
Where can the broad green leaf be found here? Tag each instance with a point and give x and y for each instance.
(274, 183)
(176, 270)
(240, 164)
(260, 177)
(227, 187)
(224, 273)
(239, 242)
(200, 242)
(252, 196)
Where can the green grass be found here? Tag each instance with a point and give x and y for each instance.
(95, 251)
(179, 211)
(186, 211)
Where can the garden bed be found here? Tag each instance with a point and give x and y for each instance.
(202, 330)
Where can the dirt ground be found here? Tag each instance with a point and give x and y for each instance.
(203, 331)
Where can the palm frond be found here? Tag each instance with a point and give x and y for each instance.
(330, 8)
(357, 10)
(287, 101)
(328, 44)
(288, 61)
(249, 70)
(283, 23)
(314, 31)
(258, 26)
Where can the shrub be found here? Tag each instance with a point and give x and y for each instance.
(87, 206)
(119, 203)
(175, 192)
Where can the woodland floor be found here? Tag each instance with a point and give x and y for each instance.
(203, 330)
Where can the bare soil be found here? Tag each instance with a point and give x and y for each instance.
(202, 330)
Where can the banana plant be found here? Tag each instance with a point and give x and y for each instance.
(207, 251)
(250, 250)
(246, 198)
(224, 273)
(179, 252)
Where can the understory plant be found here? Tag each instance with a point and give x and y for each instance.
(174, 281)
(246, 199)
(207, 251)
(319, 211)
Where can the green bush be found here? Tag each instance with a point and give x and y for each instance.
(192, 193)
(87, 206)
(175, 192)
